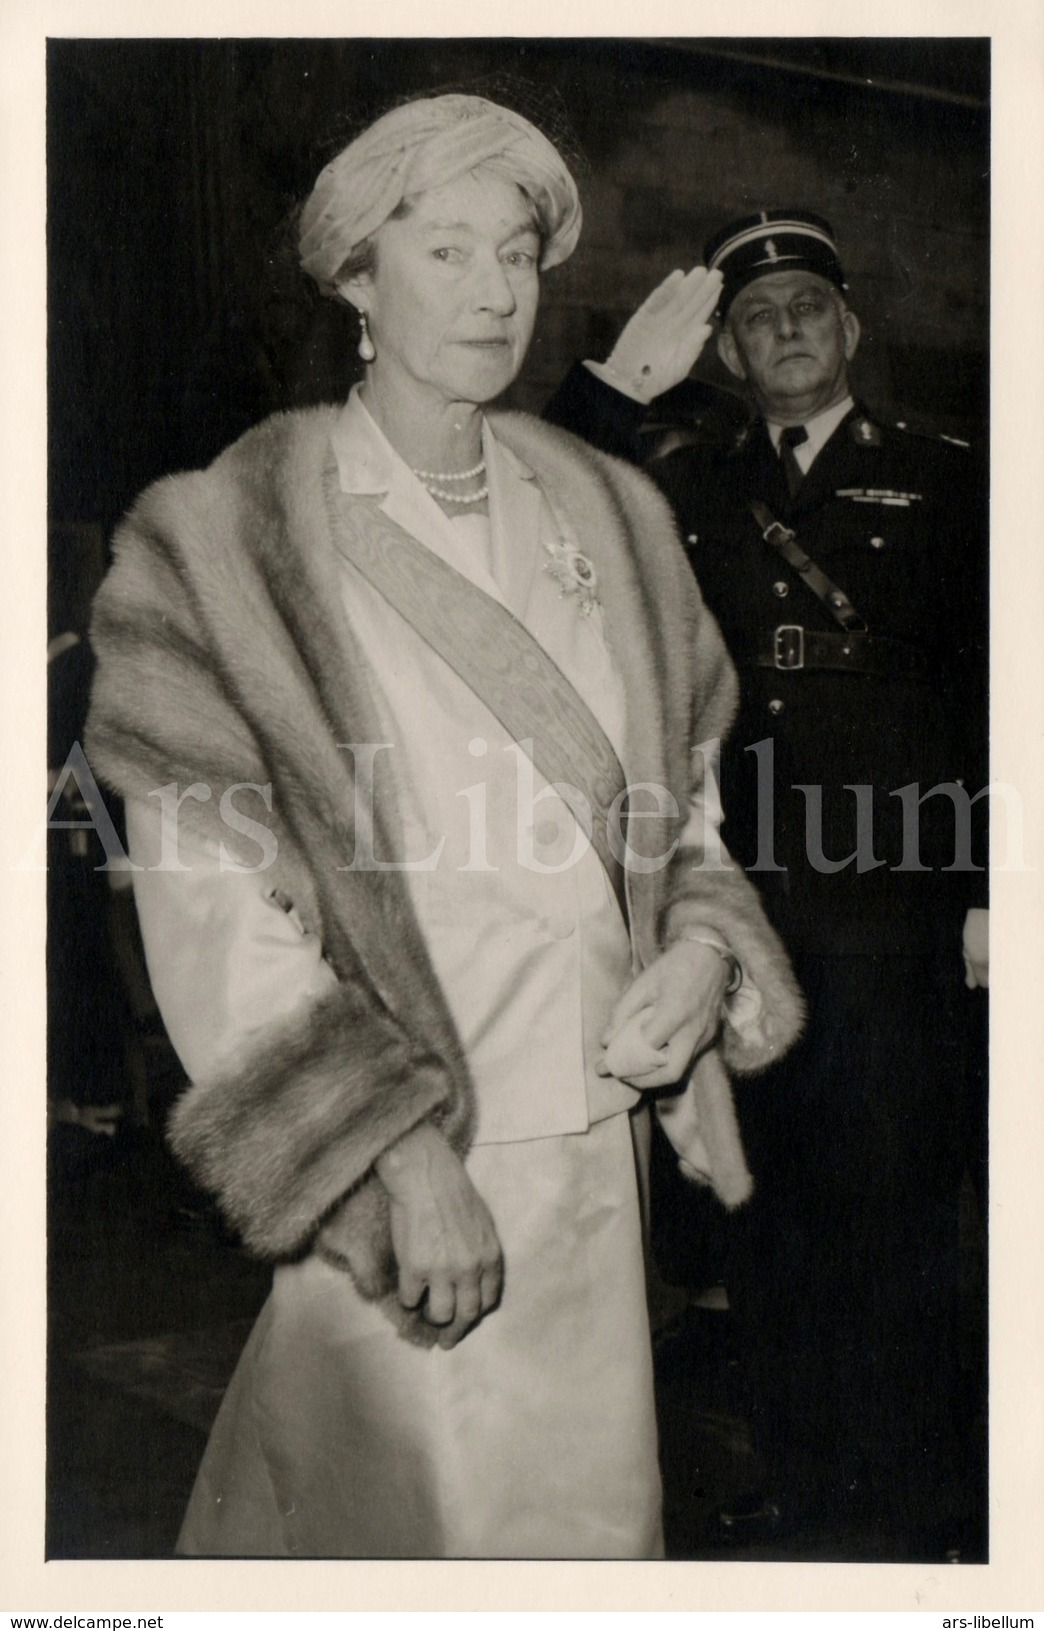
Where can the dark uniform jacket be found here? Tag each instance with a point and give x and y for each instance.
(897, 521)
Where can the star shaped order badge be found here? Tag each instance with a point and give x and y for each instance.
(574, 573)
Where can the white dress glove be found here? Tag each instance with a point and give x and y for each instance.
(660, 344)
(630, 1053)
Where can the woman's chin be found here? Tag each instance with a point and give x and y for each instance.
(485, 374)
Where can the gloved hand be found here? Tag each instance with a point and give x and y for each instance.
(669, 1013)
(661, 342)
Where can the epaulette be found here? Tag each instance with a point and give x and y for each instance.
(659, 441)
(929, 434)
(867, 430)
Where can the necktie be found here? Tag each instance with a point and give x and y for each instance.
(792, 437)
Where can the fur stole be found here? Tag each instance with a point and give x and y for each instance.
(224, 658)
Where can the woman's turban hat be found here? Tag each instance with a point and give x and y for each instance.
(422, 145)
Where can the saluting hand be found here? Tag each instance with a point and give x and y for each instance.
(660, 344)
(443, 1236)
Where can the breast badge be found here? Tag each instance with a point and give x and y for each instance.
(878, 495)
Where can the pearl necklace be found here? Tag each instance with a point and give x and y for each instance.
(431, 478)
(452, 475)
(458, 498)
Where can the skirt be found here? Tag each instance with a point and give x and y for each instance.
(535, 1437)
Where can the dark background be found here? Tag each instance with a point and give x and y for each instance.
(178, 316)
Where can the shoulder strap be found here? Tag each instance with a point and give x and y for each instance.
(494, 654)
(784, 541)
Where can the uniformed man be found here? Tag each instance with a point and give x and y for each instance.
(845, 560)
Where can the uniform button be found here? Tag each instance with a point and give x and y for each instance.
(692, 538)
(777, 705)
(560, 928)
(877, 543)
(547, 833)
(781, 589)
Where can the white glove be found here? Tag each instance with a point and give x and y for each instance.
(680, 1120)
(660, 344)
(630, 1053)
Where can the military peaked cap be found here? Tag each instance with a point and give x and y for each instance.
(772, 241)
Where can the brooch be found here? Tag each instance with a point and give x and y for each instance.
(574, 574)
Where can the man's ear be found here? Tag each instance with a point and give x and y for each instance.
(729, 353)
(851, 330)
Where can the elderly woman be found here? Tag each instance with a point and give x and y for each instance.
(418, 688)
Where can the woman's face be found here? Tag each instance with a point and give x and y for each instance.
(453, 299)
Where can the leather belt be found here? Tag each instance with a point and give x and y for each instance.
(792, 647)
(784, 541)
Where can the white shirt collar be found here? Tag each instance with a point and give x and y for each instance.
(820, 428)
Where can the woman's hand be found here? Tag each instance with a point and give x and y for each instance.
(660, 344)
(443, 1236)
(672, 1011)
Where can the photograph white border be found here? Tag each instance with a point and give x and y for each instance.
(1013, 1582)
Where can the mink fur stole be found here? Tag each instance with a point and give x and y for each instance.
(224, 657)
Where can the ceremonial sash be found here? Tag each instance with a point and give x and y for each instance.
(507, 669)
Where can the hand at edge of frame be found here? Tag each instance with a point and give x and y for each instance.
(976, 948)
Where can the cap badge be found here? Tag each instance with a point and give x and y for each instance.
(771, 252)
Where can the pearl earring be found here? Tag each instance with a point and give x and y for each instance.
(366, 351)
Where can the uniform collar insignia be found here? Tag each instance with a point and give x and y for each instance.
(864, 431)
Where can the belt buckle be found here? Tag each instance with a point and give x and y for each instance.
(789, 646)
